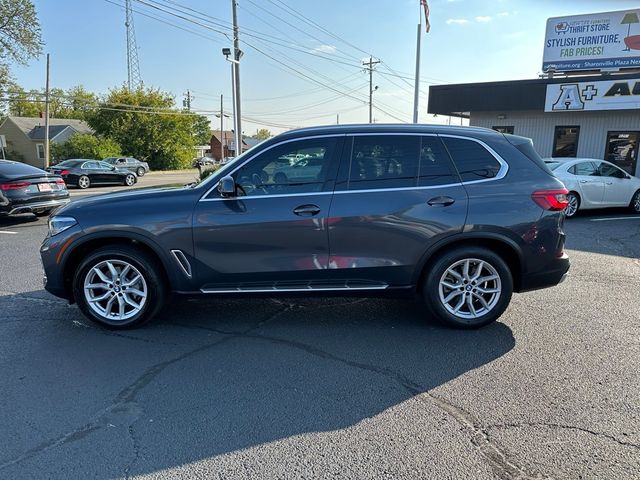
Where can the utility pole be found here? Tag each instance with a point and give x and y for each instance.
(186, 103)
(236, 79)
(337, 119)
(369, 66)
(221, 130)
(46, 118)
(416, 93)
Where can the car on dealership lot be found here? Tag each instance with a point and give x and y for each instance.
(83, 173)
(202, 162)
(27, 189)
(129, 163)
(594, 183)
(459, 217)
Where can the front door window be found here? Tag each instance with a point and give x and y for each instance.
(622, 150)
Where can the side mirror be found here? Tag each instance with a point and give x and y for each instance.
(112, 168)
(227, 186)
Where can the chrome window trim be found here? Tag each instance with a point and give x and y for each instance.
(502, 172)
(283, 142)
(504, 166)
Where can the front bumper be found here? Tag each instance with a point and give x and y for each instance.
(53, 253)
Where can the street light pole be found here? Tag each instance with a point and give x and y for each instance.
(221, 130)
(46, 119)
(416, 94)
(236, 78)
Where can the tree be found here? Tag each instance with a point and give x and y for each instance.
(262, 134)
(202, 130)
(22, 103)
(85, 146)
(147, 125)
(20, 39)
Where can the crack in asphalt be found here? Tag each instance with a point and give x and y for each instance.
(135, 445)
(564, 427)
(494, 456)
(125, 400)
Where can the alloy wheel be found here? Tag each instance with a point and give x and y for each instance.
(115, 290)
(470, 288)
(83, 181)
(130, 180)
(572, 205)
(636, 202)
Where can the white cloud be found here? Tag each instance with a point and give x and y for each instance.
(504, 14)
(330, 49)
(484, 19)
(457, 21)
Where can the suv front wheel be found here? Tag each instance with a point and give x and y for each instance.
(118, 287)
(468, 287)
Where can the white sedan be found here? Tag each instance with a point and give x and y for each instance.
(595, 184)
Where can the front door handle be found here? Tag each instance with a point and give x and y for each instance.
(307, 210)
(609, 183)
(585, 181)
(441, 201)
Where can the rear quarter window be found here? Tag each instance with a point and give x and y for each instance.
(473, 161)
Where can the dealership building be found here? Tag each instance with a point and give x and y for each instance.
(592, 110)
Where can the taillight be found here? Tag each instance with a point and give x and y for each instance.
(553, 200)
(64, 172)
(14, 186)
(59, 181)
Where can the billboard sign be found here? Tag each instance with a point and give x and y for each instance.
(609, 40)
(593, 96)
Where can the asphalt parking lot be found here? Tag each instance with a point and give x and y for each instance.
(323, 388)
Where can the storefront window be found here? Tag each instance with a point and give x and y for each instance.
(622, 150)
(565, 141)
(504, 129)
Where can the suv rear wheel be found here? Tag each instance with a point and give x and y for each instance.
(118, 287)
(468, 287)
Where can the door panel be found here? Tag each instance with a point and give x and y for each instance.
(275, 229)
(617, 188)
(590, 184)
(379, 234)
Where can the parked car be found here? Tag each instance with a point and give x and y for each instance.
(595, 183)
(303, 169)
(27, 189)
(83, 173)
(128, 163)
(460, 217)
(202, 161)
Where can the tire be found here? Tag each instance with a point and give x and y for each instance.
(84, 182)
(140, 171)
(435, 294)
(574, 204)
(635, 202)
(129, 180)
(151, 284)
(43, 213)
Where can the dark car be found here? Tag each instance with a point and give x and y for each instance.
(83, 173)
(128, 163)
(459, 217)
(27, 189)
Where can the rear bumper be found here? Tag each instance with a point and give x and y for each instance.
(16, 208)
(549, 278)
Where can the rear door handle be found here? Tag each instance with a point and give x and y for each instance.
(307, 210)
(441, 201)
(585, 181)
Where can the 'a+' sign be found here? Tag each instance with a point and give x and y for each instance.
(589, 92)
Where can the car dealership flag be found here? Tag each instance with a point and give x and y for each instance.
(426, 14)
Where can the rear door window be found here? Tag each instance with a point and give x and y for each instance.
(473, 161)
(435, 165)
(585, 169)
(384, 161)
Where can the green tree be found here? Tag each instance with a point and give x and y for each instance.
(85, 146)
(148, 126)
(262, 134)
(20, 39)
(22, 103)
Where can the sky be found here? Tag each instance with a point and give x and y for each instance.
(300, 67)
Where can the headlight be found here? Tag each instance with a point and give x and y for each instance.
(60, 224)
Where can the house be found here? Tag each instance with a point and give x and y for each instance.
(25, 136)
(228, 140)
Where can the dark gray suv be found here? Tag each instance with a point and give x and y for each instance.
(458, 217)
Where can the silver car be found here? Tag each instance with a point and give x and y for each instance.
(594, 183)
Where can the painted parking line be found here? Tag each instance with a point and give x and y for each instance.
(614, 218)
(8, 232)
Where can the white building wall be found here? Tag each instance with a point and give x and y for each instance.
(540, 126)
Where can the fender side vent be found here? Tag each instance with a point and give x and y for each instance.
(180, 257)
